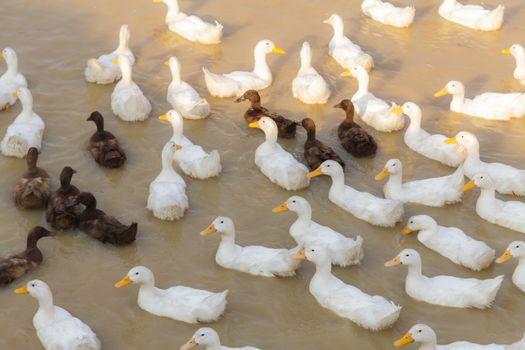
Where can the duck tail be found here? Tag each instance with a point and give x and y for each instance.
(129, 235)
(219, 85)
(493, 20)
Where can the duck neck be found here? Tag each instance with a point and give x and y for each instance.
(415, 123)
(338, 28)
(473, 153)
(177, 132)
(338, 183)
(306, 59)
(323, 269)
(363, 82)
(45, 304)
(125, 68)
(255, 104)
(12, 67)
(123, 41)
(173, 9)
(147, 286)
(271, 138)
(167, 163)
(304, 216)
(227, 240)
(99, 122)
(487, 194)
(175, 74)
(428, 346)
(458, 100)
(261, 66)
(520, 60)
(395, 181)
(27, 109)
(414, 271)
(310, 135)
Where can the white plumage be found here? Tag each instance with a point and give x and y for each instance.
(11, 80)
(208, 338)
(389, 14)
(518, 52)
(309, 86)
(516, 250)
(472, 16)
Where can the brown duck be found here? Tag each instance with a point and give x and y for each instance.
(104, 146)
(353, 138)
(101, 226)
(316, 152)
(33, 189)
(285, 126)
(15, 266)
(60, 216)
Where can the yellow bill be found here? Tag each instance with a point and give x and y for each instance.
(346, 73)
(407, 339)
(254, 125)
(278, 50)
(384, 173)
(451, 141)
(1, 55)
(208, 231)
(441, 92)
(505, 257)
(14, 94)
(316, 172)
(163, 117)
(397, 110)
(190, 344)
(394, 262)
(469, 185)
(299, 256)
(167, 63)
(115, 61)
(506, 51)
(407, 230)
(22, 290)
(123, 282)
(178, 147)
(281, 208)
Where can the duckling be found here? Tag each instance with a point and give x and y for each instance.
(59, 215)
(33, 189)
(316, 152)
(354, 139)
(285, 126)
(15, 266)
(104, 146)
(100, 225)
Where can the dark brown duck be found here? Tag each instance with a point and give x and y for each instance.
(104, 146)
(33, 189)
(316, 152)
(354, 139)
(60, 216)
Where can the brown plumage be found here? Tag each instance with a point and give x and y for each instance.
(101, 226)
(104, 146)
(354, 138)
(60, 216)
(33, 189)
(316, 152)
(285, 126)
(15, 266)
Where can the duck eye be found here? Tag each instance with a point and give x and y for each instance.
(312, 250)
(136, 273)
(222, 222)
(32, 284)
(328, 166)
(411, 222)
(517, 246)
(293, 201)
(407, 255)
(202, 335)
(420, 331)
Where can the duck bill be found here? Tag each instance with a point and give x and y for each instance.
(393, 262)
(208, 231)
(123, 282)
(178, 147)
(397, 110)
(384, 173)
(278, 50)
(167, 63)
(316, 172)
(441, 92)
(346, 73)
(407, 339)
(299, 256)
(281, 208)
(115, 61)
(163, 117)
(189, 345)
(1, 56)
(505, 257)
(451, 141)
(469, 185)
(407, 230)
(22, 290)
(14, 94)
(240, 99)
(254, 125)
(327, 21)
(506, 51)
(157, 0)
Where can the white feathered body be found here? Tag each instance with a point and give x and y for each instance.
(492, 106)
(167, 197)
(102, 70)
(8, 85)
(434, 147)
(377, 113)
(187, 101)
(310, 87)
(129, 103)
(509, 214)
(389, 14)
(234, 84)
(23, 134)
(194, 161)
(463, 345)
(507, 179)
(472, 16)
(348, 54)
(194, 28)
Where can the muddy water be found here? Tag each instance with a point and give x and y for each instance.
(53, 39)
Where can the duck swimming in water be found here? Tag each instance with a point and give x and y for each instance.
(33, 189)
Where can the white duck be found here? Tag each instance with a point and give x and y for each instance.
(489, 105)
(179, 303)
(434, 192)
(371, 312)
(26, 131)
(275, 163)
(183, 97)
(11, 80)
(518, 52)
(343, 50)
(451, 242)
(445, 290)
(363, 205)
(372, 110)
(430, 146)
(509, 214)
(192, 159)
(255, 260)
(507, 179)
(426, 337)
(101, 70)
(342, 250)
(208, 338)
(167, 193)
(309, 86)
(127, 100)
(55, 327)
(389, 14)
(192, 28)
(234, 84)
(516, 250)
(472, 16)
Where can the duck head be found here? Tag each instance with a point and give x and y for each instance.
(265, 47)
(221, 224)
(37, 289)
(418, 223)
(515, 50)
(250, 95)
(465, 139)
(408, 257)
(203, 336)
(318, 255)
(483, 181)
(98, 119)
(32, 158)
(392, 167)
(419, 333)
(137, 275)
(65, 176)
(267, 125)
(515, 250)
(454, 88)
(296, 204)
(328, 167)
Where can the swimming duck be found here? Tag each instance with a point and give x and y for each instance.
(371, 312)
(489, 105)
(191, 28)
(33, 189)
(286, 127)
(372, 110)
(343, 50)
(354, 139)
(179, 303)
(101, 70)
(167, 193)
(208, 338)
(55, 327)
(127, 100)
(434, 192)
(507, 179)
(58, 214)
(445, 290)
(15, 266)
(389, 14)
(255, 260)
(426, 336)
(518, 52)
(451, 242)
(183, 97)
(472, 16)
(275, 163)
(363, 205)
(516, 250)
(11, 80)
(343, 251)
(234, 84)
(316, 152)
(26, 130)
(309, 86)
(192, 159)
(509, 214)
(430, 146)
(104, 146)
(101, 226)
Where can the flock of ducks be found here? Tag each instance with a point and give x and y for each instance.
(68, 208)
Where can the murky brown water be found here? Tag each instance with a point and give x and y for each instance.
(53, 39)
